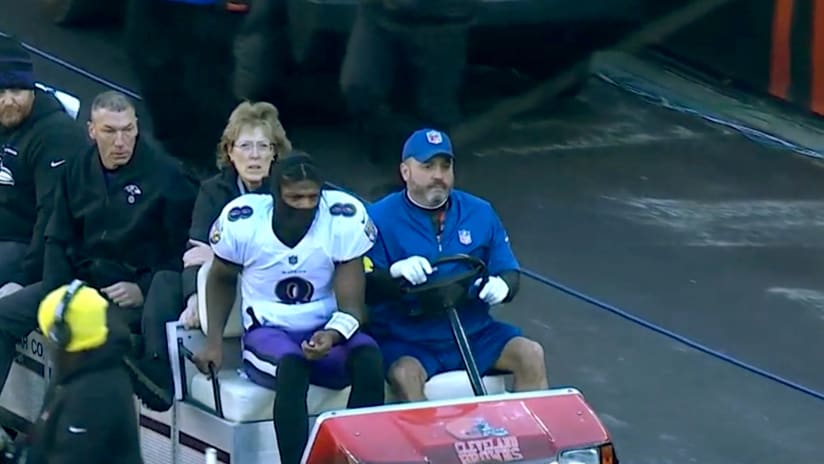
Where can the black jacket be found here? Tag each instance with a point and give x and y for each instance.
(32, 155)
(89, 410)
(122, 227)
(214, 194)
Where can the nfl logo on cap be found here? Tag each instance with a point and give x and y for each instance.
(424, 144)
(434, 137)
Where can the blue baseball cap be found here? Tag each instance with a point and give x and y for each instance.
(425, 144)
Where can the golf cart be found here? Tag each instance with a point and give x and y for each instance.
(468, 417)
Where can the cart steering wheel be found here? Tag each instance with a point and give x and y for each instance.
(442, 297)
(440, 294)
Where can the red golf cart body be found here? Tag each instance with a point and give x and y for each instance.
(548, 426)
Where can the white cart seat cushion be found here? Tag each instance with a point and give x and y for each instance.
(234, 325)
(455, 384)
(244, 401)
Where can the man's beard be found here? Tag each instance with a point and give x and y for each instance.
(11, 116)
(434, 198)
(437, 198)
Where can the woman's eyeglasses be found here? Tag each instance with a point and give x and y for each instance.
(260, 147)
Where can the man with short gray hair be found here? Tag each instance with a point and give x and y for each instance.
(120, 222)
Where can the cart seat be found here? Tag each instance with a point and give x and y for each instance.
(244, 401)
(455, 384)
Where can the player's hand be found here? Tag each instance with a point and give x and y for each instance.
(414, 269)
(124, 294)
(319, 345)
(495, 290)
(9, 288)
(209, 355)
(190, 318)
(198, 255)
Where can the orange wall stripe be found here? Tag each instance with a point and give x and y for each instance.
(780, 53)
(817, 59)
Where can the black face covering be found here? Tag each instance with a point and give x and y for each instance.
(290, 224)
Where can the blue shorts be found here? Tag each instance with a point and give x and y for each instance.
(487, 346)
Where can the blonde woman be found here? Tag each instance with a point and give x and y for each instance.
(252, 140)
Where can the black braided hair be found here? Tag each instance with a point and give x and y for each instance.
(295, 167)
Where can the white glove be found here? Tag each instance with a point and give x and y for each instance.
(495, 290)
(9, 288)
(190, 318)
(414, 269)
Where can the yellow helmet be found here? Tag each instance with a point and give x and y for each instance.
(85, 317)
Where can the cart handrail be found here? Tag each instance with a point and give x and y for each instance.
(186, 354)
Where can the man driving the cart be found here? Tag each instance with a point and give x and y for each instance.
(426, 221)
(299, 252)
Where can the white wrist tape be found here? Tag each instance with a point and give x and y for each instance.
(344, 323)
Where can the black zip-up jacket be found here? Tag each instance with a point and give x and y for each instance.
(214, 194)
(124, 225)
(89, 412)
(32, 155)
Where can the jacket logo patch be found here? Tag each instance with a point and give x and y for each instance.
(132, 192)
(465, 237)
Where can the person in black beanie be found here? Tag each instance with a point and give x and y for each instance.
(37, 137)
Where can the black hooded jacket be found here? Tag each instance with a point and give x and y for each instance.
(89, 411)
(121, 226)
(33, 155)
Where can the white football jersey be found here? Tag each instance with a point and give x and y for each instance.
(287, 287)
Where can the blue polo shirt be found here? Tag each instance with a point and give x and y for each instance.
(470, 226)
